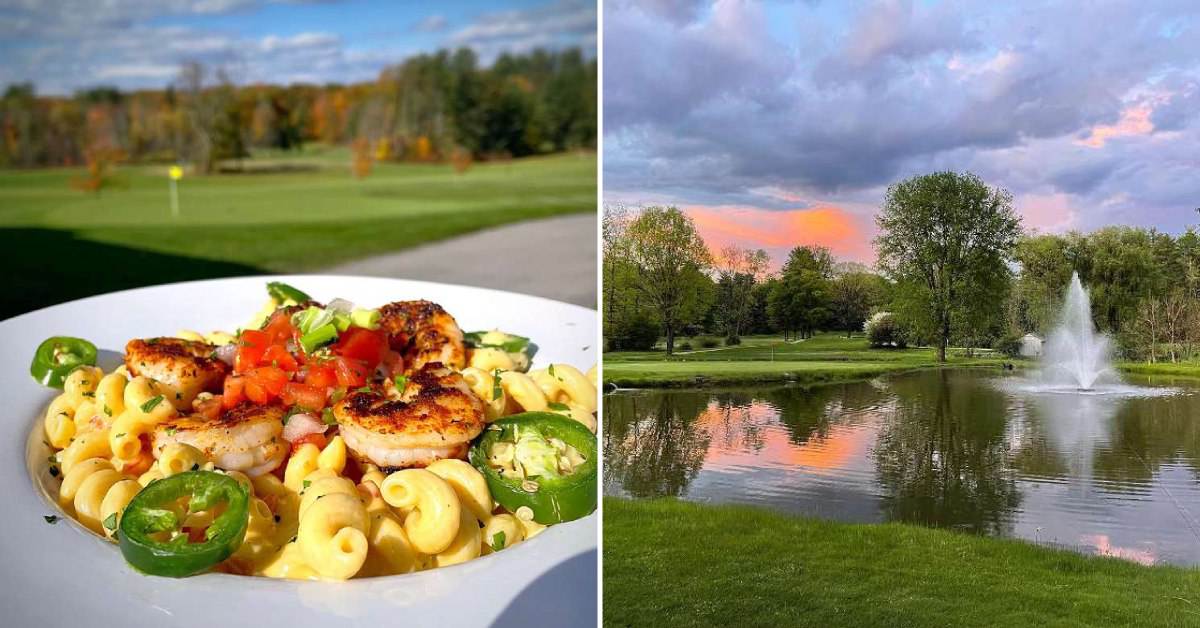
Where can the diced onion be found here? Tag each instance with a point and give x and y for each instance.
(301, 425)
(226, 353)
(340, 305)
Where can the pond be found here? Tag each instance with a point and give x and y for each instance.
(961, 449)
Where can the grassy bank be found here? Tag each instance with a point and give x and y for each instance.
(670, 563)
(1186, 369)
(283, 214)
(765, 359)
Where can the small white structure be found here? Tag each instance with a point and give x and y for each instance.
(1031, 346)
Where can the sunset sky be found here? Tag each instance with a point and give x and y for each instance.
(65, 45)
(783, 123)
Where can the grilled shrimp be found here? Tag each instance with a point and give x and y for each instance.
(246, 438)
(187, 366)
(423, 333)
(434, 417)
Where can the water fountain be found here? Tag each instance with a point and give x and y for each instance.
(1077, 359)
(1075, 355)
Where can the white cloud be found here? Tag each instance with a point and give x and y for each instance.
(137, 70)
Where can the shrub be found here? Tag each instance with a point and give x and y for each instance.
(732, 340)
(639, 332)
(883, 330)
(686, 346)
(708, 342)
(1008, 344)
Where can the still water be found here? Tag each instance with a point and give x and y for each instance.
(960, 449)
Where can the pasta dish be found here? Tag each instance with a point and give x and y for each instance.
(320, 442)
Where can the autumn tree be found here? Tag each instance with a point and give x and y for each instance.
(670, 260)
(738, 271)
(939, 234)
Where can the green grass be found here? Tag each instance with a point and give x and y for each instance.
(822, 358)
(1183, 369)
(671, 563)
(290, 213)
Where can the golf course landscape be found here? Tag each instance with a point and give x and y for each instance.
(282, 212)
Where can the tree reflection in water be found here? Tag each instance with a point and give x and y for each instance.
(942, 457)
(652, 446)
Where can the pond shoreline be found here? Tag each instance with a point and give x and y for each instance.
(794, 570)
(809, 373)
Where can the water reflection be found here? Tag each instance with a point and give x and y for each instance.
(943, 448)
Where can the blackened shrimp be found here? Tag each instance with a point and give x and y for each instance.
(423, 333)
(246, 438)
(186, 366)
(434, 417)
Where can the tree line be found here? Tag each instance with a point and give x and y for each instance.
(437, 106)
(954, 267)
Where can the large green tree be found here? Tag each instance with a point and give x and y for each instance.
(944, 232)
(801, 299)
(671, 260)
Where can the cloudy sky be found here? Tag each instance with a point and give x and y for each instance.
(783, 123)
(64, 45)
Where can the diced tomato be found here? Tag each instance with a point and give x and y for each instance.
(270, 378)
(196, 534)
(256, 392)
(235, 392)
(277, 355)
(320, 376)
(350, 373)
(362, 344)
(317, 439)
(279, 329)
(303, 395)
(251, 347)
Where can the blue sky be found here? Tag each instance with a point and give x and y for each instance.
(64, 45)
(781, 123)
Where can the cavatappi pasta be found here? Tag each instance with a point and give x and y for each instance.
(341, 500)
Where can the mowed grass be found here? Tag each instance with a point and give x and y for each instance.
(287, 213)
(671, 563)
(822, 358)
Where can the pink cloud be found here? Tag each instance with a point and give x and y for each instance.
(1135, 120)
(778, 231)
(1047, 212)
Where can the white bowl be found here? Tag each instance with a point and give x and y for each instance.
(62, 574)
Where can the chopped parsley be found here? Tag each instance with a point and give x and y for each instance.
(550, 370)
(364, 389)
(195, 466)
(307, 483)
(51, 519)
(498, 541)
(119, 435)
(171, 431)
(497, 391)
(107, 410)
(327, 417)
(151, 404)
(110, 522)
(401, 382)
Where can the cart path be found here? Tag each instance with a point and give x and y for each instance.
(551, 257)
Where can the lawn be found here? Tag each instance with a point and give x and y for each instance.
(822, 358)
(287, 213)
(671, 563)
